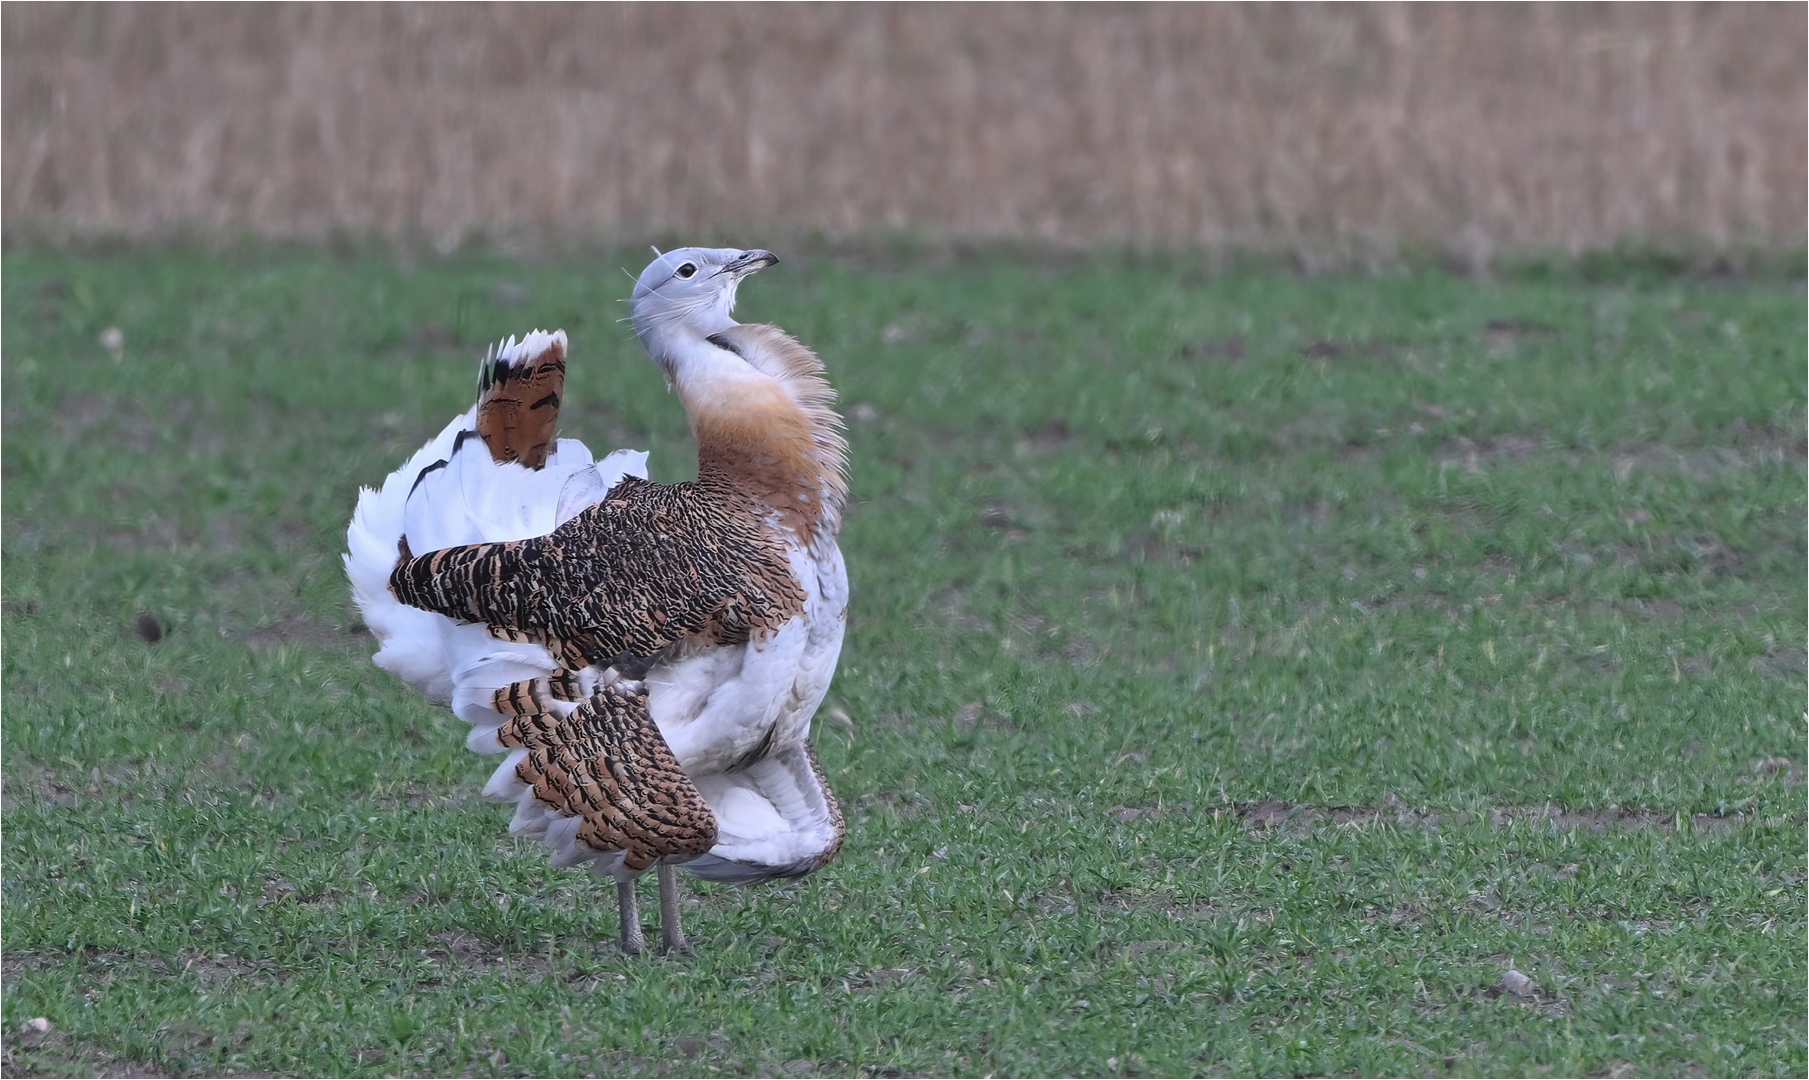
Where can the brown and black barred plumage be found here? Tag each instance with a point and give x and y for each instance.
(606, 764)
(649, 566)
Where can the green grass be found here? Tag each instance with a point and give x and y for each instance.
(1135, 548)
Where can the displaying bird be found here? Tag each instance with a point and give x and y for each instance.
(649, 656)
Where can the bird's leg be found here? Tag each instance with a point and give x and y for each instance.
(672, 935)
(633, 943)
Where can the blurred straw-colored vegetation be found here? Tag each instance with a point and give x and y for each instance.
(1346, 129)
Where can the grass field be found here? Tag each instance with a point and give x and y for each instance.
(1245, 673)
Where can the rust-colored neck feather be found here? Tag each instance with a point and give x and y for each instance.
(772, 433)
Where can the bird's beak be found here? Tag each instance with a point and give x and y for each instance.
(749, 262)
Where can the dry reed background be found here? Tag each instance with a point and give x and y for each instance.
(1354, 129)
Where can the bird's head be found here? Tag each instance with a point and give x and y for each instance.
(759, 407)
(686, 295)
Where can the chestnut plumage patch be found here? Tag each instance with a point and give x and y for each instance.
(518, 404)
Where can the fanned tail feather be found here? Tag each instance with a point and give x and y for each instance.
(518, 393)
(453, 491)
(409, 637)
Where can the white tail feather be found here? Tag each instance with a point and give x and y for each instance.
(772, 820)
(469, 499)
(409, 637)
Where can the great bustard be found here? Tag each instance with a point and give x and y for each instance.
(649, 656)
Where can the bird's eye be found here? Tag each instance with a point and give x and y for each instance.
(687, 270)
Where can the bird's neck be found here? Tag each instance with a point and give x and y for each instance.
(760, 411)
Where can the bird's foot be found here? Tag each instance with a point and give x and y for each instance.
(673, 940)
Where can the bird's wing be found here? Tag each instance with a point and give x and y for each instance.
(594, 779)
(649, 566)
